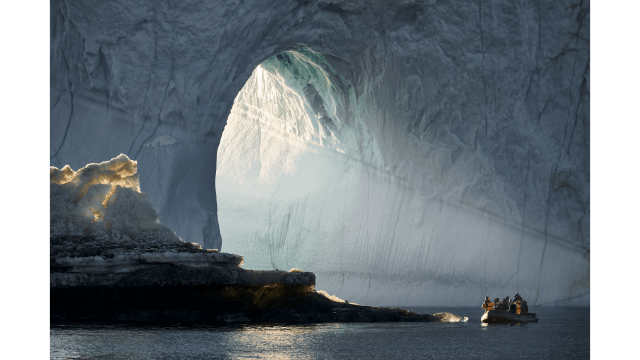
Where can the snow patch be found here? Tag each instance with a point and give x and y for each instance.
(331, 297)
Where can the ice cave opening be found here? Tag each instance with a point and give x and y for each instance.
(295, 174)
(302, 182)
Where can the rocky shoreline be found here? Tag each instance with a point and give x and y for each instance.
(200, 287)
(219, 304)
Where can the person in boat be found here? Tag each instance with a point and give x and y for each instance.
(513, 307)
(524, 307)
(518, 302)
(518, 307)
(487, 304)
(505, 303)
(512, 303)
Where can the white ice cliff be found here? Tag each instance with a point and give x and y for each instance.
(407, 152)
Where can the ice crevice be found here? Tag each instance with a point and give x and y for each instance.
(346, 138)
(61, 98)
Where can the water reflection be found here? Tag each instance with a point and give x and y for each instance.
(484, 325)
(560, 333)
(275, 341)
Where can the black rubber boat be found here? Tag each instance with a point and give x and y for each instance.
(501, 316)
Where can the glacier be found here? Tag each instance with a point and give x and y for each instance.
(407, 152)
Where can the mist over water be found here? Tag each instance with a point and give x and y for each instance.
(561, 333)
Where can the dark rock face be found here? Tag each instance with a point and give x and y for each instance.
(130, 289)
(138, 273)
(177, 275)
(61, 246)
(123, 279)
(218, 304)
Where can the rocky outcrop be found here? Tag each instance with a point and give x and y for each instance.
(168, 269)
(199, 288)
(112, 260)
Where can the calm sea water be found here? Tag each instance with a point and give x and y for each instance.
(561, 333)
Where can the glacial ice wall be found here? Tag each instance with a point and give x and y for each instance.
(455, 136)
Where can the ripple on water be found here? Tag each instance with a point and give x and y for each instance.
(561, 333)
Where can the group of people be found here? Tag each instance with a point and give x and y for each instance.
(518, 305)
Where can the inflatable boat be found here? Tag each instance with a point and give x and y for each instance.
(501, 316)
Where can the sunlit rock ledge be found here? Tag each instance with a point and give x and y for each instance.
(112, 260)
(169, 269)
(200, 287)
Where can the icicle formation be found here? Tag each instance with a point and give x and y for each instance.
(104, 201)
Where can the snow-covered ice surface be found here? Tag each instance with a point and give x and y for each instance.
(104, 201)
(408, 152)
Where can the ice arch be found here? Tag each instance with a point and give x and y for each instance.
(476, 113)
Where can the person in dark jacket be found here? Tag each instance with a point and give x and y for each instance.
(505, 303)
(519, 307)
(513, 307)
(524, 307)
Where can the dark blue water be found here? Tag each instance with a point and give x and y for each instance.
(561, 333)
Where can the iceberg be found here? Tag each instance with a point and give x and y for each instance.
(408, 153)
